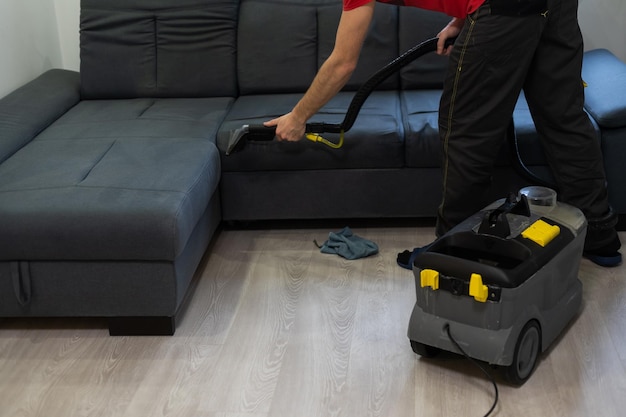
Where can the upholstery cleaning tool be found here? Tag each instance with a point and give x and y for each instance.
(264, 133)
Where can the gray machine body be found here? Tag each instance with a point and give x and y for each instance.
(526, 282)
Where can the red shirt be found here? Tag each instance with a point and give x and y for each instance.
(455, 8)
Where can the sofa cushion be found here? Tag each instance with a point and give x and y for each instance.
(420, 110)
(375, 140)
(111, 182)
(302, 42)
(164, 118)
(115, 199)
(146, 48)
(605, 76)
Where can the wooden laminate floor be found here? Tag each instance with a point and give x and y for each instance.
(275, 328)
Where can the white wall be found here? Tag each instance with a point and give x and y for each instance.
(68, 19)
(603, 23)
(36, 35)
(29, 41)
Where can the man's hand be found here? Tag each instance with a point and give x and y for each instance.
(451, 30)
(288, 127)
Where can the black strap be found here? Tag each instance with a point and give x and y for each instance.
(518, 7)
(20, 275)
(460, 287)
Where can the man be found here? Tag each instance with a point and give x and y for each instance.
(502, 47)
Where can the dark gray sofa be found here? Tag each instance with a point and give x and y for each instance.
(113, 181)
(108, 179)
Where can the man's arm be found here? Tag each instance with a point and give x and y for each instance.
(332, 75)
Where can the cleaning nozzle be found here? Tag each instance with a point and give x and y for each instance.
(255, 132)
(235, 137)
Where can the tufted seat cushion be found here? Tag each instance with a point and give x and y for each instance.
(122, 180)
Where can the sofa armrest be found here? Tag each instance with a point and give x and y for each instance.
(30, 109)
(605, 95)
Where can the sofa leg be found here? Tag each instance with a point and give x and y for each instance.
(142, 326)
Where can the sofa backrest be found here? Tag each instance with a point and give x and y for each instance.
(158, 48)
(281, 44)
(415, 26)
(212, 48)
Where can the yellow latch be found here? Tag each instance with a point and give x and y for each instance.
(541, 232)
(477, 290)
(429, 278)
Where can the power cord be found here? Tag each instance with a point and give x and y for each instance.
(475, 362)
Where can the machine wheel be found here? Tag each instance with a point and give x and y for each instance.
(527, 350)
(424, 350)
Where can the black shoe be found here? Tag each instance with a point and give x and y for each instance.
(608, 254)
(405, 259)
(608, 260)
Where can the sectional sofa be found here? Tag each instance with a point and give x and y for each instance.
(114, 179)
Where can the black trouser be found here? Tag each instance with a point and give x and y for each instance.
(494, 58)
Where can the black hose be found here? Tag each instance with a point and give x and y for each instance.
(366, 89)
(430, 45)
(262, 132)
(518, 164)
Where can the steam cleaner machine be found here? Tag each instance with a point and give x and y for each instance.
(504, 282)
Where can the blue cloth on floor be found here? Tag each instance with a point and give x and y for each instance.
(348, 245)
